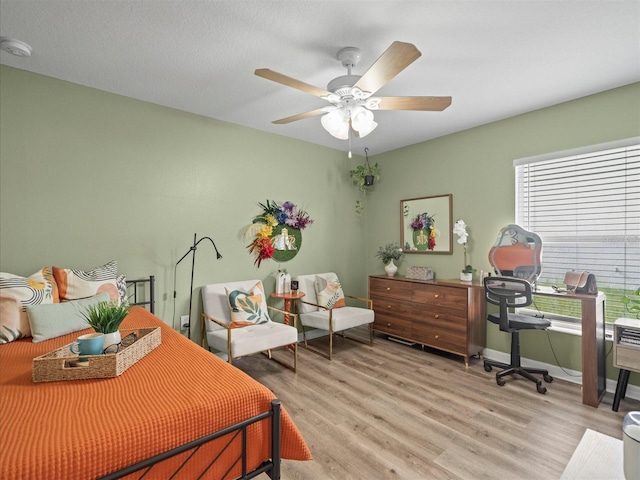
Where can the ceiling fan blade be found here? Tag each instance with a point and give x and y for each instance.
(300, 116)
(395, 59)
(291, 82)
(435, 104)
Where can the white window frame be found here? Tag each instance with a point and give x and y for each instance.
(529, 217)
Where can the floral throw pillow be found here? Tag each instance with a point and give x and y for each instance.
(247, 308)
(329, 291)
(17, 293)
(75, 284)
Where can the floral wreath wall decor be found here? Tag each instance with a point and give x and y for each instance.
(424, 231)
(276, 232)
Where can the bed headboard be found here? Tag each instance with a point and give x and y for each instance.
(141, 292)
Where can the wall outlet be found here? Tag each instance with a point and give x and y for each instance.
(184, 322)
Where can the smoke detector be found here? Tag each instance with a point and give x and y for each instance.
(15, 47)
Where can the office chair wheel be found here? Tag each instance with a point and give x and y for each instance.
(541, 388)
(548, 378)
(500, 381)
(487, 368)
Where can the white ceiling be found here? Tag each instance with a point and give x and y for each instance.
(495, 58)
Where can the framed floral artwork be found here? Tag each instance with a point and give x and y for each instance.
(426, 223)
(277, 232)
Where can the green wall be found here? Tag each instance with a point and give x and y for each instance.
(88, 176)
(476, 166)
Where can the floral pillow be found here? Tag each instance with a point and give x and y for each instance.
(75, 284)
(17, 293)
(329, 291)
(247, 308)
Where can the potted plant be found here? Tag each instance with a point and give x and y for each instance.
(460, 229)
(106, 317)
(389, 253)
(467, 273)
(364, 175)
(632, 302)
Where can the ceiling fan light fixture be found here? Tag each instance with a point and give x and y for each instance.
(336, 123)
(362, 120)
(366, 131)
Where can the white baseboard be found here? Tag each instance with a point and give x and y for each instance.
(573, 376)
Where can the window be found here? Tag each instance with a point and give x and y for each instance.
(585, 205)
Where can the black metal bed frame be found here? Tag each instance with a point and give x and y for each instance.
(271, 467)
(134, 284)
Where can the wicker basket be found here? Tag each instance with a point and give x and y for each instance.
(62, 364)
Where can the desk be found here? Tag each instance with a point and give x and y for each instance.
(594, 375)
(287, 297)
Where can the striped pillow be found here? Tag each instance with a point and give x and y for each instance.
(16, 293)
(74, 284)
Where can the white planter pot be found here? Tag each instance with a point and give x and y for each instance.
(390, 268)
(466, 277)
(113, 338)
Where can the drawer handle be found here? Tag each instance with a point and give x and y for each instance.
(388, 306)
(388, 324)
(388, 289)
(436, 295)
(436, 316)
(437, 336)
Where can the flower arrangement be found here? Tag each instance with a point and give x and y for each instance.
(391, 251)
(261, 228)
(423, 221)
(460, 229)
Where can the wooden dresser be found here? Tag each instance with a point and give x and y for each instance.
(447, 315)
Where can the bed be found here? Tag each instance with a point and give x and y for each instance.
(147, 422)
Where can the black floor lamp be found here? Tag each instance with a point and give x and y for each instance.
(193, 249)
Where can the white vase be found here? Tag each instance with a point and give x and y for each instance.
(113, 338)
(466, 277)
(390, 268)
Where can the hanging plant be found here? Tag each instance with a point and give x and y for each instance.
(364, 175)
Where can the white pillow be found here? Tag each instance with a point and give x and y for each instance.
(329, 291)
(247, 308)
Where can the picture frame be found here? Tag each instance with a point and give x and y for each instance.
(426, 224)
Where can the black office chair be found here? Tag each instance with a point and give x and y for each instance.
(509, 292)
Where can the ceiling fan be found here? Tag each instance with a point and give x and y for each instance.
(351, 96)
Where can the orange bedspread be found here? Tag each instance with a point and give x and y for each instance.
(84, 429)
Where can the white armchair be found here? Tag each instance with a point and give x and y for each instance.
(256, 332)
(323, 308)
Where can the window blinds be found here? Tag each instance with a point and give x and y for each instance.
(585, 205)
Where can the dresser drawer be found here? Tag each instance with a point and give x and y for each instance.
(440, 338)
(391, 306)
(438, 295)
(392, 325)
(441, 316)
(381, 287)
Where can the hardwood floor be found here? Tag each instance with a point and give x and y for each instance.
(395, 412)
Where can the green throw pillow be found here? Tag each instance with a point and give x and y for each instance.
(54, 320)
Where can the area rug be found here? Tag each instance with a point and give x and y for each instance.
(597, 457)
